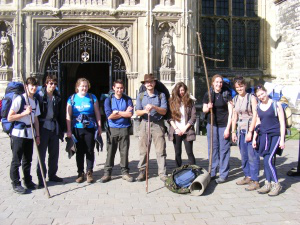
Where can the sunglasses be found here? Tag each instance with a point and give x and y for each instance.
(52, 83)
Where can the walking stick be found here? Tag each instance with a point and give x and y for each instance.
(209, 99)
(148, 150)
(35, 144)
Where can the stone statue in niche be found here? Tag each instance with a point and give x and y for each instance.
(166, 51)
(4, 49)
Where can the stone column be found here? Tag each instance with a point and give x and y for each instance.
(131, 87)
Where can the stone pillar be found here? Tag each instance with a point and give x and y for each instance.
(167, 76)
(131, 87)
(6, 75)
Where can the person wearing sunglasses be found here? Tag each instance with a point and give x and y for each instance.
(268, 138)
(51, 129)
(244, 119)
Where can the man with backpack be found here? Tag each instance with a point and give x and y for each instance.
(22, 136)
(118, 108)
(154, 103)
(50, 124)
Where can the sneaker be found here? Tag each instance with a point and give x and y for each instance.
(105, 179)
(163, 178)
(89, 177)
(141, 176)
(254, 185)
(127, 177)
(56, 179)
(265, 189)
(80, 178)
(30, 185)
(245, 180)
(220, 180)
(19, 189)
(276, 188)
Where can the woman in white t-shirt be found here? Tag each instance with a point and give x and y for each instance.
(183, 118)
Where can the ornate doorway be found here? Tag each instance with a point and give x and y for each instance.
(86, 55)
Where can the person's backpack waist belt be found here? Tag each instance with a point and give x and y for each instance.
(22, 126)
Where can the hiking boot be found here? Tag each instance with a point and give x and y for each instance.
(276, 188)
(127, 177)
(30, 185)
(19, 189)
(220, 180)
(254, 185)
(265, 189)
(89, 177)
(245, 180)
(80, 178)
(141, 176)
(105, 179)
(163, 178)
(55, 179)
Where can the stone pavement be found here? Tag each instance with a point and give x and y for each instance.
(120, 202)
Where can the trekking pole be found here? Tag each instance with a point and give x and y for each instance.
(35, 144)
(148, 150)
(209, 99)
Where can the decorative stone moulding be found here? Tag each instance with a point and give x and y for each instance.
(6, 74)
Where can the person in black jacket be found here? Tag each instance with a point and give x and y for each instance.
(50, 128)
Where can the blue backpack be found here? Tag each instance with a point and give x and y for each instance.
(13, 90)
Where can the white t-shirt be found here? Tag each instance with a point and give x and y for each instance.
(15, 106)
(181, 124)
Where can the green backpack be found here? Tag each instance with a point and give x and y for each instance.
(171, 184)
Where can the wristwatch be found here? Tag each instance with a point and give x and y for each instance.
(117, 112)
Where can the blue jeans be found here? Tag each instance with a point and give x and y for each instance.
(250, 157)
(221, 151)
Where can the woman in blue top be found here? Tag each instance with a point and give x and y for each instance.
(83, 120)
(271, 133)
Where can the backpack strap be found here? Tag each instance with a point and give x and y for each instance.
(91, 97)
(22, 105)
(72, 99)
(142, 96)
(274, 104)
(249, 103)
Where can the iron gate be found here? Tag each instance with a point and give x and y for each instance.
(87, 47)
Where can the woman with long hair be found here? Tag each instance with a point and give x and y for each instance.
(244, 119)
(222, 111)
(270, 131)
(183, 118)
(83, 120)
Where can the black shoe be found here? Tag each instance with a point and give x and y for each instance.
(40, 185)
(30, 185)
(19, 189)
(56, 179)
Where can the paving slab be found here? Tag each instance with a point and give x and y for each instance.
(121, 202)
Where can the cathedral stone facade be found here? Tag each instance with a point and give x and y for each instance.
(105, 40)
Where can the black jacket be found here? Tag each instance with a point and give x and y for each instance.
(41, 96)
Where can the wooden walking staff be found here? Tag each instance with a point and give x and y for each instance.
(148, 151)
(35, 144)
(209, 94)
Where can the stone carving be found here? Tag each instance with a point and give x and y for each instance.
(49, 34)
(84, 2)
(4, 49)
(123, 34)
(166, 51)
(166, 2)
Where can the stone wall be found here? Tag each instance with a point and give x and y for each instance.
(285, 45)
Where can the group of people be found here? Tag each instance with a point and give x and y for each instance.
(255, 126)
